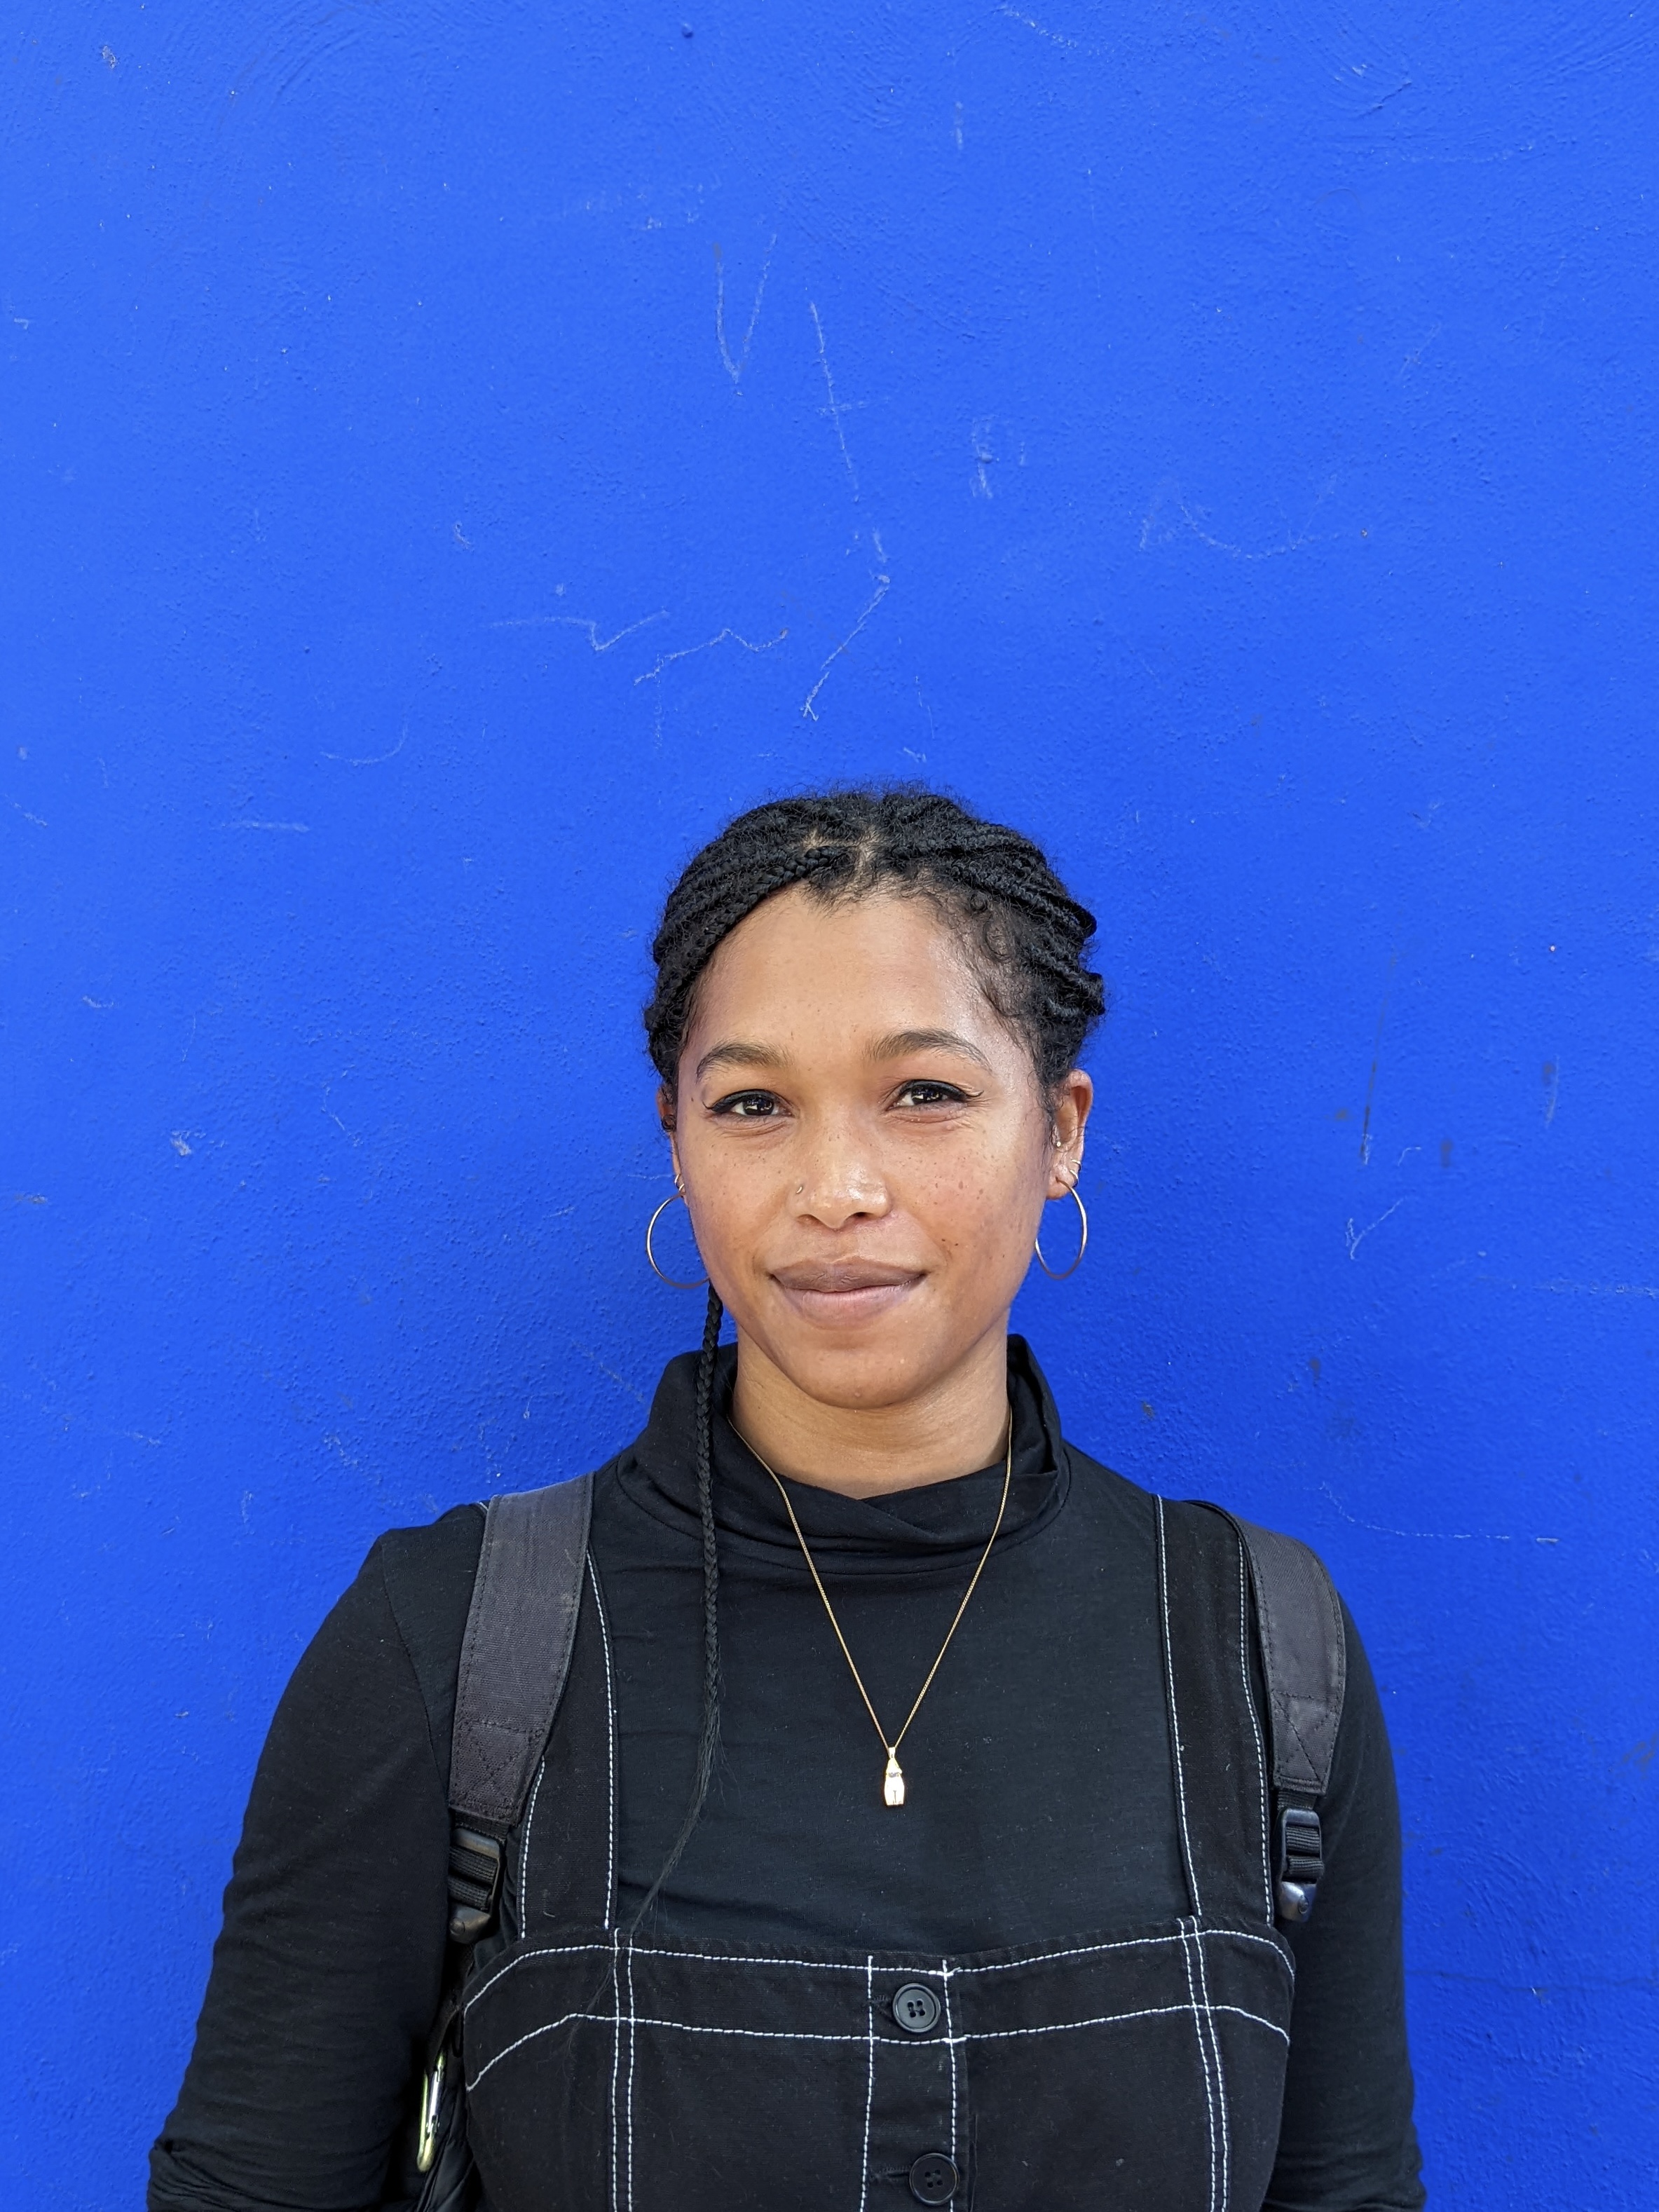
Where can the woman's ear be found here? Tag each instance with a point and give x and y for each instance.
(1074, 1096)
(666, 1114)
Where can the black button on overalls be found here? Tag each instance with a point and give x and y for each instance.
(1123, 2068)
(933, 2178)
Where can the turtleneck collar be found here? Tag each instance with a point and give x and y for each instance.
(934, 1524)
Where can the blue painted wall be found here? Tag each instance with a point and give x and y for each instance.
(453, 458)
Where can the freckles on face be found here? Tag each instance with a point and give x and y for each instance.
(863, 1143)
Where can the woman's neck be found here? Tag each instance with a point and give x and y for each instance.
(956, 1425)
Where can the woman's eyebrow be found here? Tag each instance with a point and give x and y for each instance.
(735, 1053)
(902, 1042)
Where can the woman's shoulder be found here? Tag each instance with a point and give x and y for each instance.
(422, 1578)
(427, 1575)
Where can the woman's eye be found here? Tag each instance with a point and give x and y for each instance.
(929, 1094)
(747, 1105)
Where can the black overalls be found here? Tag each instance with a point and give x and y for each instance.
(1140, 2066)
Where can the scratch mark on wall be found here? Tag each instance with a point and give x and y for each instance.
(371, 760)
(610, 1374)
(835, 410)
(983, 456)
(577, 622)
(734, 368)
(1377, 105)
(17, 808)
(686, 652)
(1357, 1237)
(180, 1142)
(1054, 38)
(932, 733)
(29, 1198)
(1561, 1289)
(1428, 1536)
(335, 1118)
(1552, 1089)
(1415, 360)
(807, 707)
(720, 637)
(245, 822)
(1155, 530)
(1377, 1056)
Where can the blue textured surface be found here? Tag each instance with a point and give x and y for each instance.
(455, 456)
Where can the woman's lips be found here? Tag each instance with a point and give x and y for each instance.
(844, 1292)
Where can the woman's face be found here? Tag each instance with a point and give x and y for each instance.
(863, 1146)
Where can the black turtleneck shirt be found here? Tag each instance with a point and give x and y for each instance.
(1040, 1800)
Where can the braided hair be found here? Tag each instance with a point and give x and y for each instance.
(1025, 937)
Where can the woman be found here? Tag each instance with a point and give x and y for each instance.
(903, 1833)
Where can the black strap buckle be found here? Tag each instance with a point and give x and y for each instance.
(475, 1881)
(1300, 1861)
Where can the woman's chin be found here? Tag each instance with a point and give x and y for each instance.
(854, 1370)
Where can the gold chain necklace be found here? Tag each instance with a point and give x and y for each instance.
(892, 1788)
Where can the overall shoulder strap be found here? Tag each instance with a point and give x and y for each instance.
(514, 1658)
(1304, 1664)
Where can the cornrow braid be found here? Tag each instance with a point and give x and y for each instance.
(1025, 936)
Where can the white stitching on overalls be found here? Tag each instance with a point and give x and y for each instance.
(546, 2027)
(1255, 1731)
(499, 1972)
(616, 2059)
(1129, 1943)
(633, 2023)
(1193, 2011)
(1220, 2078)
(1115, 2019)
(870, 2078)
(950, 2041)
(610, 1752)
(524, 1848)
(1175, 1717)
(531, 1954)
(1204, 2060)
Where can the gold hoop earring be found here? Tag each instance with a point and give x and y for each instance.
(1059, 1274)
(672, 1281)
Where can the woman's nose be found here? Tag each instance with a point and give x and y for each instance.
(840, 1183)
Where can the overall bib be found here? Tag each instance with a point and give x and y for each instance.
(1136, 2068)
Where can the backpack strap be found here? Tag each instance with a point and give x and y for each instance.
(516, 1654)
(1304, 1665)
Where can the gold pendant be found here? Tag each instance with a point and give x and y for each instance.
(892, 1788)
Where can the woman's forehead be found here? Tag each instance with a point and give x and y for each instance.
(877, 966)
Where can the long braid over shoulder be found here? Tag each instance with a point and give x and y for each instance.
(1025, 936)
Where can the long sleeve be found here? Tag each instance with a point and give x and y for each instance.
(327, 1975)
(1347, 2143)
